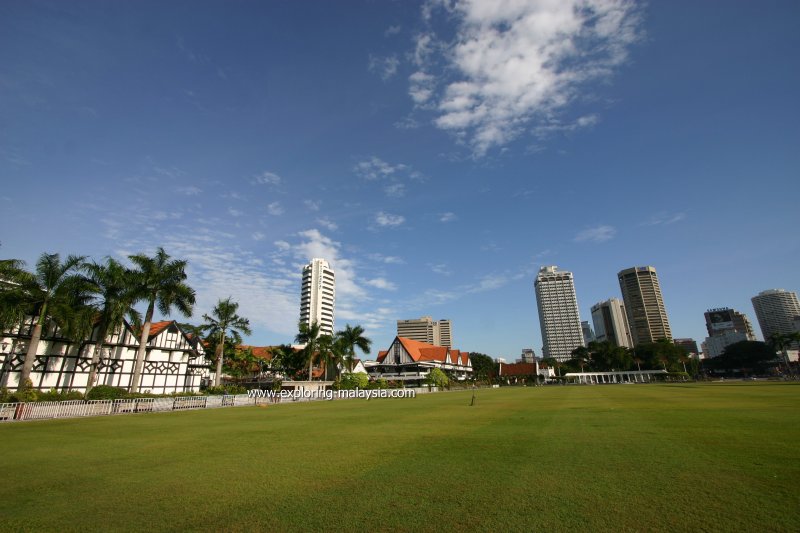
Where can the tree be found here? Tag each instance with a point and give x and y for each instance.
(110, 283)
(747, 356)
(781, 342)
(483, 366)
(288, 359)
(437, 378)
(159, 281)
(352, 338)
(662, 353)
(224, 319)
(330, 354)
(53, 289)
(308, 335)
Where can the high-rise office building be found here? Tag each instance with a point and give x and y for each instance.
(776, 310)
(611, 323)
(588, 334)
(727, 319)
(559, 319)
(425, 329)
(644, 305)
(725, 327)
(689, 345)
(318, 295)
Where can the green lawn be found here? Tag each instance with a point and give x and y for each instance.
(714, 457)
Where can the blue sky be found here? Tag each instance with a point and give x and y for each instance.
(437, 154)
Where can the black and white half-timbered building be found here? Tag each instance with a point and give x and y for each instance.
(174, 361)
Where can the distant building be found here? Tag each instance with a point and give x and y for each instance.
(559, 319)
(318, 295)
(690, 345)
(408, 360)
(644, 305)
(611, 323)
(528, 356)
(725, 326)
(776, 311)
(726, 319)
(425, 329)
(715, 345)
(520, 372)
(588, 334)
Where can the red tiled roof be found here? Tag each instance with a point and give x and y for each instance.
(517, 369)
(158, 327)
(262, 352)
(422, 351)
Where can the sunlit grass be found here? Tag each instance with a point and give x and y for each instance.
(626, 457)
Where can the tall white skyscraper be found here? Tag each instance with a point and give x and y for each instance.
(611, 323)
(558, 313)
(318, 295)
(776, 311)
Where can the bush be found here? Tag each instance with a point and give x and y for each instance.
(226, 389)
(56, 396)
(25, 393)
(106, 392)
(358, 380)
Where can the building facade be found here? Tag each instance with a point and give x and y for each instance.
(174, 361)
(689, 345)
(715, 345)
(427, 330)
(644, 305)
(318, 295)
(559, 319)
(776, 311)
(725, 326)
(611, 323)
(411, 361)
(726, 319)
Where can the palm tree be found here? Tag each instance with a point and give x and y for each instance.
(159, 281)
(780, 342)
(54, 287)
(224, 319)
(330, 354)
(308, 334)
(352, 338)
(112, 284)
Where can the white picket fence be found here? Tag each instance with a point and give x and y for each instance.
(11, 412)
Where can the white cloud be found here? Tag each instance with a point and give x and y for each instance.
(189, 190)
(388, 259)
(392, 30)
(327, 223)
(234, 212)
(517, 64)
(664, 219)
(596, 234)
(381, 283)
(315, 244)
(385, 67)
(376, 168)
(440, 268)
(312, 205)
(395, 190)
(258, 236)
(275, 209)
(267, 178)
(388, 220)
(447, 217)
(282, 246)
